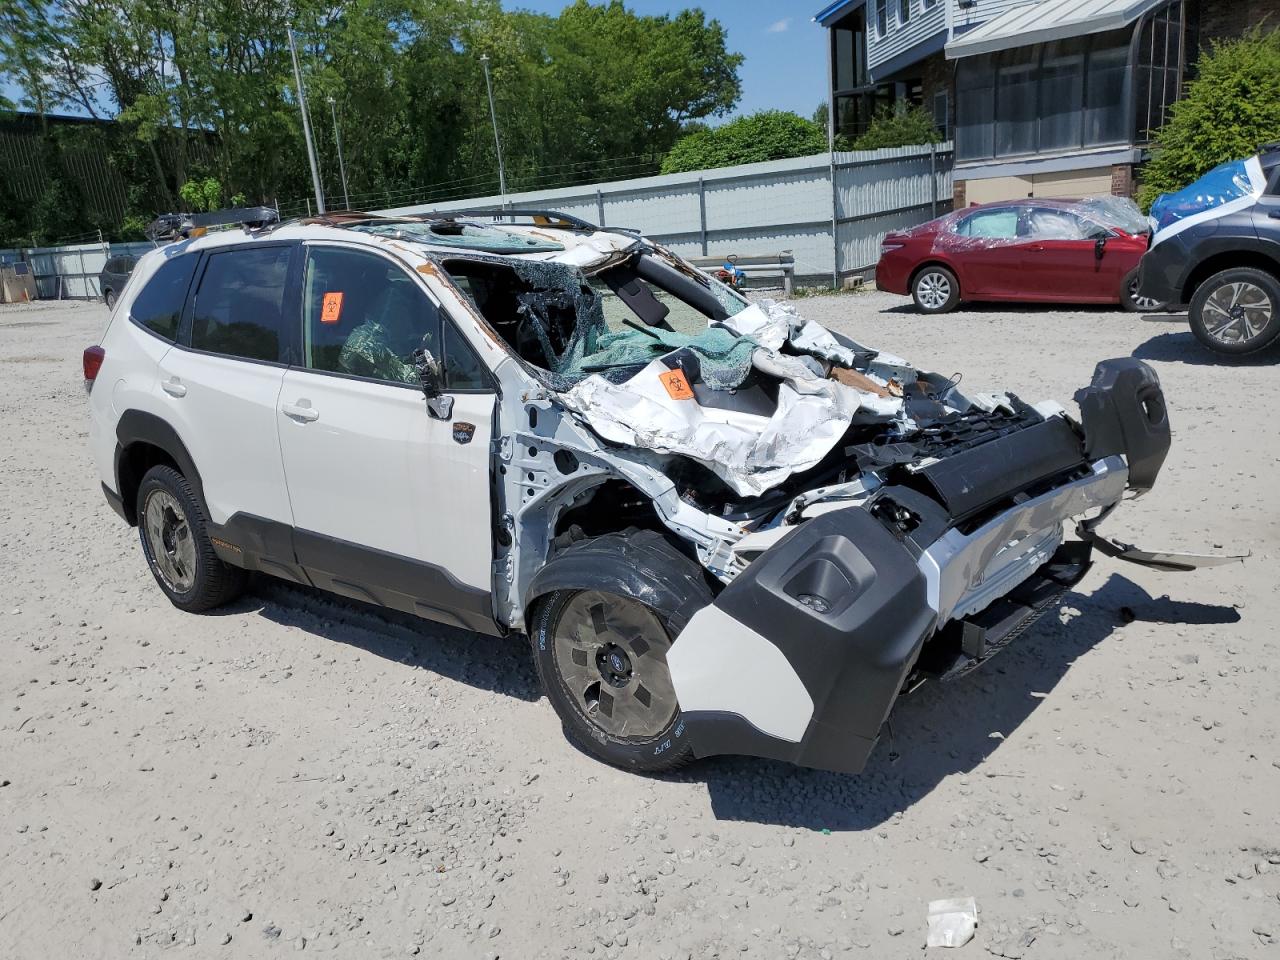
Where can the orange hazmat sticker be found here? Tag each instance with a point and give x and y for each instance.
(676, 384)
(331, 310)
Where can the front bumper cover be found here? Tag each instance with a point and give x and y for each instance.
(801, 657)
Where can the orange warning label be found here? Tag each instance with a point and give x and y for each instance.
(332, 308)
(676, 384)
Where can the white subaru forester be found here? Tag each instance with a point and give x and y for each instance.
(724, 528)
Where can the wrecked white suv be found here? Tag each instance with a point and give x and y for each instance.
(724, 528)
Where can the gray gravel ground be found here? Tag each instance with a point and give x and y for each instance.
(301, 773)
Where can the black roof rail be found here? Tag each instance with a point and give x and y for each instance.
(171, 226)
(545, 218)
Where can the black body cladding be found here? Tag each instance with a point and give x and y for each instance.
(1124, 412)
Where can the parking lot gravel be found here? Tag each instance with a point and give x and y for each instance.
(301, 773)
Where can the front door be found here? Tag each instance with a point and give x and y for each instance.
(390, 504)
(1061, 258)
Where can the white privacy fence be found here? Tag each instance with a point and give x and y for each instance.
(829, 211)
(71, 272)
(763, 208)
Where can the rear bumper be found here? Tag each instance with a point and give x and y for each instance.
(802, 656)
(893, 273)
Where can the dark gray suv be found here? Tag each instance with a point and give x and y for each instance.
(1216, 247)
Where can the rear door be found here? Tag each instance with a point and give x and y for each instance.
(390, 503)
(1060, 257)
(221, 384)
(984, 247)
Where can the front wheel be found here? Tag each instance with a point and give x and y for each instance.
(1130, 300)
(1237, 311)
(601, 652)
(935, 289)
(110, 299)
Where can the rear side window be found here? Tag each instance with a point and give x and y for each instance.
(239, 306)
(997, 224)
(158, 305)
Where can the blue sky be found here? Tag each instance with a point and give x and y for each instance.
(786, 58)
(786, 65)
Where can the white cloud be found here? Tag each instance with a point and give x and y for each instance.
(780, 26)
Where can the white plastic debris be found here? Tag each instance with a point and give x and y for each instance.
(952, 922)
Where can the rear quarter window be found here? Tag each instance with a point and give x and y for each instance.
(239, 306)
(158, 305)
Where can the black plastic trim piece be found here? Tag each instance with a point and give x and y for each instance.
(1124, 413)
(116, 502)
(138, 426)
(844, 601)
(355, 571)
(969, 481)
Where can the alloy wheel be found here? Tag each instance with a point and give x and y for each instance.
(169, 536)
(1142, 303)
(933, 290)
(611, 653)
(1237, 312)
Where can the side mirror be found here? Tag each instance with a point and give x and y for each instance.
(431, 377)
(1099, 247)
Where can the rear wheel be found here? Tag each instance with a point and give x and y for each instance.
(171, 526)
(110, 299)
(935, 289)
(1237, 311)
(1130, 300)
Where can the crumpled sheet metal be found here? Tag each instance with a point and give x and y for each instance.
(749, 453)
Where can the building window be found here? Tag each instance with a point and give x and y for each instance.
(930, 4)
(904, 11)
(1163, 48)
(942, 113)
(1061, 95)
(1070, 94)
(882, 18)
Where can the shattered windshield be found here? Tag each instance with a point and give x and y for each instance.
(612, 324)
(451, 233)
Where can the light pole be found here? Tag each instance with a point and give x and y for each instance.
(497, 142)
(306, 124)
(337, 139)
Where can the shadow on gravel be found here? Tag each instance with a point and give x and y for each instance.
(502, 665)
(942, 729)
(969, 307)
(1185, 348)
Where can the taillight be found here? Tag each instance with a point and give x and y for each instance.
(93, 357)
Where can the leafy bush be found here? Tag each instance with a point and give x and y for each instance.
(1231, 108)
(895, 127)
(767, 135)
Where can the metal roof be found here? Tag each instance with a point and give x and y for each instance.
(1049, 20)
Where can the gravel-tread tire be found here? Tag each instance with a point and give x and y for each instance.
(938, 275)
(1267, 282)
(215, 582)
(651, 572)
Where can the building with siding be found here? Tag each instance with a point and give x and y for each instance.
(1042, 97)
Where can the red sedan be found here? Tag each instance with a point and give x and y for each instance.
(1046, 251)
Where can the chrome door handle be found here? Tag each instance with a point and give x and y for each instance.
(174, 387)
(302, 414)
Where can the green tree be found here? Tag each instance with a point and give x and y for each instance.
(896, 126)
(1229, 109)
(767, 135)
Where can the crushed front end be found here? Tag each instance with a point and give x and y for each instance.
(803, 654)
